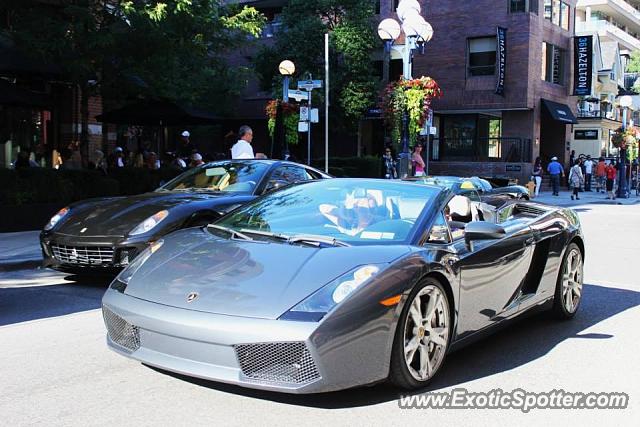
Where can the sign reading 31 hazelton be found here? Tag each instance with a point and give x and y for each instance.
(582, 65)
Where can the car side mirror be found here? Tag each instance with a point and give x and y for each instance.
(482, 230)
(274, 184)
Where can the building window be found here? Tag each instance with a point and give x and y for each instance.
(553, 63)
(516, 6)
(557, 12)
(482, 56)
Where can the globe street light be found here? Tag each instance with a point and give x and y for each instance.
(625, 102)
(417, 32)
(286, 68)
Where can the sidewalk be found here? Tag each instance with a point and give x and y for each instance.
(586, 197)
(19, 250)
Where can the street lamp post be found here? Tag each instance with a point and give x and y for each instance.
(625, 102)
(417, 32)
(286, 69)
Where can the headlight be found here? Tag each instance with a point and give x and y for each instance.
(126, 274)
(57, 217)
(149, 223)
(314, 307)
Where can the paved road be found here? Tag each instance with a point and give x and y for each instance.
(56, 370)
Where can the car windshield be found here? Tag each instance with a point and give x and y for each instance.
(351, 211)
(222, 176)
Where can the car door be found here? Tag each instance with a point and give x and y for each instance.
(491, 274)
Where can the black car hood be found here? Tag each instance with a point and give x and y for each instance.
(117, 216)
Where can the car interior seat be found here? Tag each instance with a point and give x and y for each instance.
(460, 209)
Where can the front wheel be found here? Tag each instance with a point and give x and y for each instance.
(422, 336)
(569, 285)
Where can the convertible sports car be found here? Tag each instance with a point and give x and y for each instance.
(477, 189)
(106, 234)
(337, 283)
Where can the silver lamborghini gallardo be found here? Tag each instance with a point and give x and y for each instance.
(338, 283)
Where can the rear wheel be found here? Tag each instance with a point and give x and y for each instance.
(569, 285)
(422, 336)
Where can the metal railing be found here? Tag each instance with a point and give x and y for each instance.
(514, 150)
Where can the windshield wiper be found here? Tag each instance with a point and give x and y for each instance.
(234, 234)
(317, 240)
(266, 234)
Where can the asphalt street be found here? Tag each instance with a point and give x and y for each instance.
(55, 368)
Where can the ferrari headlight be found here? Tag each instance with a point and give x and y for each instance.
(314, 307)
(56, 218)
(126, 274)
(149, 223)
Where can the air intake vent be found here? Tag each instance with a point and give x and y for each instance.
(120, 331)
(283, 362)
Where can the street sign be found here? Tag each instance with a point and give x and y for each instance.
(303, 126)
(299, 95)
(314, 115)
(309, 84)
(304, 114)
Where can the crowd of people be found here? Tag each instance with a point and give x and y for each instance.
(185, 155)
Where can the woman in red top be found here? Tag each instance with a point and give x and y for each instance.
(610, 172)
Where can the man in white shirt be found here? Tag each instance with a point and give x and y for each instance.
(588, 169)
(242, 149)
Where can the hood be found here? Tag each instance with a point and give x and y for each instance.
(240, 278)
(119, 215)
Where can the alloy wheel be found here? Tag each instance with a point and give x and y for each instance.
(426, 332)
(572, 281)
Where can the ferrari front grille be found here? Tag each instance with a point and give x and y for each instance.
(83, 255)
(280, 362)
(120, 331)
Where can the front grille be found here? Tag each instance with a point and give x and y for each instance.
(120, 331)
(282, 362)
(83, 255)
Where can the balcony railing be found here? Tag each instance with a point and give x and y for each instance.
(597, 115)
(623, 37)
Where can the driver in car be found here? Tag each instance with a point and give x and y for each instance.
(358, 211)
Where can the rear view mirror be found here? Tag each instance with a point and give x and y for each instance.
(274, 184)
(482, 230)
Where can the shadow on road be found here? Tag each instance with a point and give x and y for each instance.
(48, 295)
(522, 342)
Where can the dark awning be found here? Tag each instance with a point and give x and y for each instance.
(560, 112)
(14, 95)
(158, 112)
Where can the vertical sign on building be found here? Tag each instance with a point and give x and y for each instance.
(501, 59)
(582, 65)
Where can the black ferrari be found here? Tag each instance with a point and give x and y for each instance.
(106, 234)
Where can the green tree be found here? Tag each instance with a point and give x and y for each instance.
(176, 49)
(634, 67)
(352, 39)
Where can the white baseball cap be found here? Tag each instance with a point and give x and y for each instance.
(186, 133)
(118, 150)
(196, 156)
(554, 158)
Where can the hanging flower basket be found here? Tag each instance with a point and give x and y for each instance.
(413, 95)
(623, 138)
(291, 114)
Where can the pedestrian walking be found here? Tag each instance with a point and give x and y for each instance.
(417, 161)
(601, 175)
(242, 149)
(389, 170)
(576, 179)
(588, 172)
(185, 148)
(556, 172)
(537, 175)
(611, 173)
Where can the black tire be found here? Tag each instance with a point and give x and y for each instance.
(560, 308)
(399, 374)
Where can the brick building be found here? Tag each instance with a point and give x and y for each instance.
(479, 131)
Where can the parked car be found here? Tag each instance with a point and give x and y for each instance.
(337, 283)
(106, 234)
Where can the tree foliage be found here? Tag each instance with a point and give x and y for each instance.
(352, 38)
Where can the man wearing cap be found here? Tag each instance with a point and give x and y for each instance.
(555, 171)
(243, 149)
(185, 147)
(196, 160)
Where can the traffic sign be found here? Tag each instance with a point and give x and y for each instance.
(299, 95)
(304, 114)
(303, 126)
(309, 84)
(314, 115)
